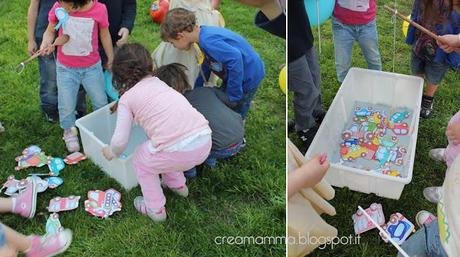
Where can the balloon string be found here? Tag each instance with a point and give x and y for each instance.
(319, 30)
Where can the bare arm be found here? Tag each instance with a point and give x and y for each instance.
(308, 175)
(31, 22)
(106, 41)
(48, 39)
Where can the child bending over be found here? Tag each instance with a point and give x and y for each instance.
(226, 54)
(226, 125)
(179, 136)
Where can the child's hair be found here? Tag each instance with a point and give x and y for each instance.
(76, 3)
(177, 20)
(174, 76)
(131, 63)
(438, 14)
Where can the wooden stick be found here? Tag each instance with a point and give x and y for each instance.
(383, 232)
(413, 23)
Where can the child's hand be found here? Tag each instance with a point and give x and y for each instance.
(46, 48)
(453, 133)
(107, 152)
(308, 175)
(31, 47)
(124, 34)
(449, 43)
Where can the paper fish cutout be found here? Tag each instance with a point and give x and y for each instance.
(58, 204)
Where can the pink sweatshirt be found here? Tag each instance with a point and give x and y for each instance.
(452, 151)
(165, 115)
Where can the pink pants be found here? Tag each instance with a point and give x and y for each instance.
(171, 166)
(452, 151)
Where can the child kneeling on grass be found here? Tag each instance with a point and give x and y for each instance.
(226, 125)
(226, 54)
(179, 136)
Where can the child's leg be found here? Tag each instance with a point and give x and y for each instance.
(368, 41)
(415, 245)
(304, 81)
(245, 103)
(48, 87)
(174, 179)
(6, 205)
(93, 82)
(149, 180)
(68, 80)
(223, 154)
(15, 240)
(343, 46)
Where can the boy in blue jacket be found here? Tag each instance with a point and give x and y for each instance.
(226, 54)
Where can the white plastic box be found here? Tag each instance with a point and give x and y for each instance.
(96, 130)
(373, 87)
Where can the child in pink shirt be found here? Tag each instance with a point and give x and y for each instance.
(354, 20)
(78, 60)
(179, 136)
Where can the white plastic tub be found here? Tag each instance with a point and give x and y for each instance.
(96, 130)
(374, 87)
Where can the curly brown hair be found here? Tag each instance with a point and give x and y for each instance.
(177, 20)
(131, 63)
(174, 76)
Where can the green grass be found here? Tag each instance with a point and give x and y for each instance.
(244, 196)
(431, 134)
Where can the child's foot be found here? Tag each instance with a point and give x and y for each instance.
(2, 129)
(25, 203)
(71, 140)
(432, 194)
(51, 245)
(157, 215)
(427, 106)
(307, 135)
(182, 190)
(437, 154)
(424, 218)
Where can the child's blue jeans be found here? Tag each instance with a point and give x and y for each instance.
(425, 242)
(69, 80)
(243, 105)
(48, 88)
(2, 236)
(214, 155)
(344, 37)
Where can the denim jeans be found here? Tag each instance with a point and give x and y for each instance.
(243, 105)
(425, 242)
(48, 88)
(223, 154)
(2, 236)
(69, 80)
(344, 37)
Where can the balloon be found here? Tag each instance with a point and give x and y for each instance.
(158, 10)
(325, 8)
(405, 26)
(282, 79)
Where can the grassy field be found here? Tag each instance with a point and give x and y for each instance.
(431, 135)
(242, 197)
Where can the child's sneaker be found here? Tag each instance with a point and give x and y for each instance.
(25, 203)
(182, 190)
(51, 245)
(427, 106)
(437, 154)
(432, 194)
(424, 218)
(71, 140)
(2, 129)
(157, 215)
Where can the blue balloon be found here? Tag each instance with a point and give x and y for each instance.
(325, 8)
